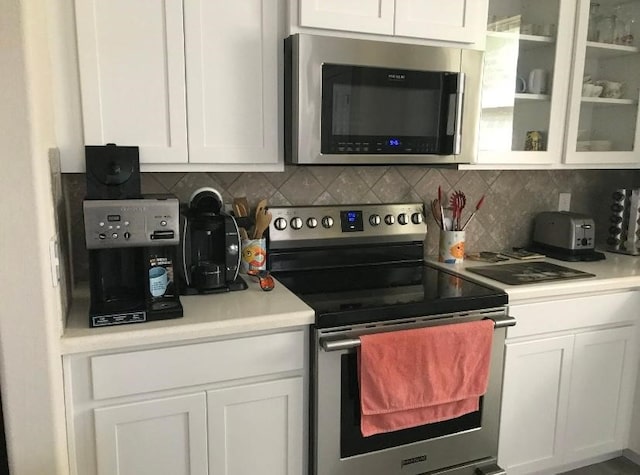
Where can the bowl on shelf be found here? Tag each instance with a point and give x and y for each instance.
(611, 89)
(592, 90)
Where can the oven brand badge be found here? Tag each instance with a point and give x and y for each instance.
(396, 76)
(411, 461)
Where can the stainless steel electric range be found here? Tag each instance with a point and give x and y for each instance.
(360, 267)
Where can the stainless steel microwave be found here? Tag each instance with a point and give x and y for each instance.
(351, 101)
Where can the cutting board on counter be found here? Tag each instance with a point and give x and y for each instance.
(528, 273)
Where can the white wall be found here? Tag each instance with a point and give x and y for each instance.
(30, 321)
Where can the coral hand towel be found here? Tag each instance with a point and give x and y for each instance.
(413, 377)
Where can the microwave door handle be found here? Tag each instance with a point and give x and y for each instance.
(454, 121)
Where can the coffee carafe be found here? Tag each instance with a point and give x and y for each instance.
(210, 258)
(132, 242)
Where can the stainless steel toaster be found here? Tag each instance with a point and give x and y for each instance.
(564, 230)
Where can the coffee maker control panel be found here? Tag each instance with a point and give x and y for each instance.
(131, 222)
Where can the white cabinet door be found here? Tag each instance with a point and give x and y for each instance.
(535, 394)
(257, 428)
(603, 126)
(454, 20)
(156, 437)
(131, 61)
(232, 68)
(365, 16)
(602, 384)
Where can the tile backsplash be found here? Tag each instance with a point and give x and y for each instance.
(512, 197)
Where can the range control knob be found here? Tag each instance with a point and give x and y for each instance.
(296, 223)
(389, 219)
(127, 235)
(280, 224)
(327, 222)
(416, 218)
(403, 219)
(312, 222)
(374, 220)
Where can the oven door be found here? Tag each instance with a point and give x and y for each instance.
(469, 442)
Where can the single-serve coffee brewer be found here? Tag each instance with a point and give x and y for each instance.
(132, 242)
(210, 251)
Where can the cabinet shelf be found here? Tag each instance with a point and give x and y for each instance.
(608, 101)
(526, 42)
(532, 97)
(607, 50)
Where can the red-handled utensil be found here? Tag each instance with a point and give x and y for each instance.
(458, 201)
(480, 201)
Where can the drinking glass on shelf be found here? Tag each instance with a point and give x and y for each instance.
(594, 18)
(623, 29)
(606, 26)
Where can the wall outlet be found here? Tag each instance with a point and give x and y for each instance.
(564, 201)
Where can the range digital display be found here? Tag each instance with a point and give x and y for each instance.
(113, 218)
(351, 221)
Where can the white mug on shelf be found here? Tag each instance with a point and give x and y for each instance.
(521, 85)
(537, 81)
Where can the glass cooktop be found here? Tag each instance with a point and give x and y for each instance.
(376, 293)
(528, 272)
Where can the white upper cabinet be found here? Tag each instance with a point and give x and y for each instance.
(587, 57)
(232, 63)
(364, 16)
(526, 81)
(460, 21)
(190, 82)
(132, 76)
(453, 20)
(603, 107)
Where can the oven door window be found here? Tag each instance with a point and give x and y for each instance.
(353, 443)
(386, 111)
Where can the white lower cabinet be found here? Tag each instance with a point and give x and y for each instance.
(159, 436)
(227, 407)
(253, 428)
(568, 388)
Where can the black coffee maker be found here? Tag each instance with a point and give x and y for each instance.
(132, 241)
(210, 257)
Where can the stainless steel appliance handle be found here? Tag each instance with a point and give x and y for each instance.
(349, 343)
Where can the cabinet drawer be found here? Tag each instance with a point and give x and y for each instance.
(158, 369)
(570, 314)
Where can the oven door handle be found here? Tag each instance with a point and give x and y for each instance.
(349, 343)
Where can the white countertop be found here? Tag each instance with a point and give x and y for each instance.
(205, 316)
(253, 310)
(618, 272)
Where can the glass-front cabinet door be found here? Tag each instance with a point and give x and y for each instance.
(603, 107)
(526, 81)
